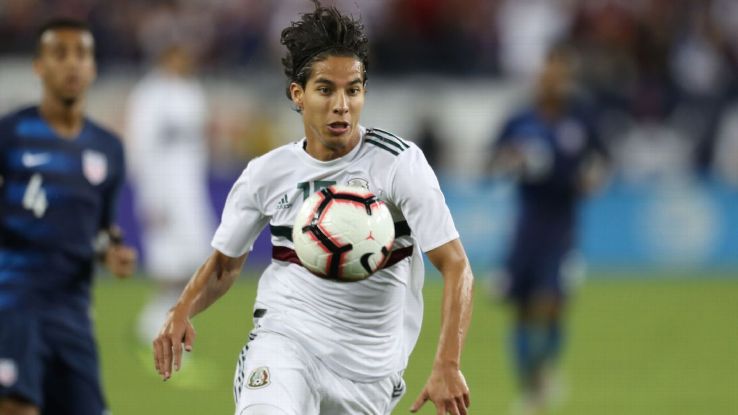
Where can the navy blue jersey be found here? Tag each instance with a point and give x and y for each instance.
(549, 189)
(56, 194)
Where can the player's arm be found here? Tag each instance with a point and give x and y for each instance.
(446, 386)
(211, 280)
(593, 172)
(118, 258)
(506, 160)
(593, 175)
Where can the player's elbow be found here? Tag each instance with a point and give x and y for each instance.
(227, 269)
(451, 259)
(457, 272)
(224, 278)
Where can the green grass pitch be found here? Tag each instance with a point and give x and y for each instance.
(635, 346)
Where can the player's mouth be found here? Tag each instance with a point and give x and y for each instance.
(338, 127)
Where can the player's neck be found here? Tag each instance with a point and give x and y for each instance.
(66, 119)
(550, 109)
(318, 151)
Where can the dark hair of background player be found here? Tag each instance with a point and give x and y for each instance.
(60, 23)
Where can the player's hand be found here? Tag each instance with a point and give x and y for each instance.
(447, 389)
(176, 333)
(121, 260)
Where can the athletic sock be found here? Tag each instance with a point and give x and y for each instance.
(529, 346)
(553, 342)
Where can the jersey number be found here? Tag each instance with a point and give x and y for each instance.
(35, 197)
(309, 188)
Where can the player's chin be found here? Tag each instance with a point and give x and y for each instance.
(71, 95)
(336, 140)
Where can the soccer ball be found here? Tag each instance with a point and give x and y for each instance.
(343, 233)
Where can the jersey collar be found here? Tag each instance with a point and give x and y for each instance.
(299, 148)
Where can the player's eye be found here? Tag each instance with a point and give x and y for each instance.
(83, 52)
(324, 90)
(354, 91)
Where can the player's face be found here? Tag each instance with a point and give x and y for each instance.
(331, 104)
(555, 82)
(66, 63)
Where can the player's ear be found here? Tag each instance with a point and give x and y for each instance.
(298, 94)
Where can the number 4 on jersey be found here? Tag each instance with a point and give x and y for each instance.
(34, 199)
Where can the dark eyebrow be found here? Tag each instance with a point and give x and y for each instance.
(324, 81)
(331, 83)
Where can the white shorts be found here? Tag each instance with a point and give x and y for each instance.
(274, 370)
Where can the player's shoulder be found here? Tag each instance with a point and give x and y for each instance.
(10, 119)
(522, 122)
(387, 143)
(104, 135)
(275, 159)
(523, 116)
(148, 86)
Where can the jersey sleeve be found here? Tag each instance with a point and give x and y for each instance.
(594, 141)
(4, 140)
(507, 135)
(112, 191)
(242, 218)
(415, 190)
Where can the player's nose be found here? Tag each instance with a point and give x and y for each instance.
(341, 104)
(71, 63)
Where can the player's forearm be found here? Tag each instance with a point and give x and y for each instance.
(506, 161)
(216, 286)
(450, 259)
(210, 282)
(455, 315)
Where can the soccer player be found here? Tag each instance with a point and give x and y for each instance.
(554, 152)
(320, 346)
(167, 114)
(60, 178)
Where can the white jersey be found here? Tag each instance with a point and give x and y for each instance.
(363, 330)
(168, 155)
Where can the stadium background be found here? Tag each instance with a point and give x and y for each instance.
(653, 327)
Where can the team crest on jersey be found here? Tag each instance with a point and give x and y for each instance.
(359, 182)
(571, 136)
(94, 166)
(258, 378)
(8, 373)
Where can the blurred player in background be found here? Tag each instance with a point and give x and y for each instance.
(553, 151)
(60, 175)
(167, 116)
(321, 346)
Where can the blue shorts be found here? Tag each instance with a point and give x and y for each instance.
(533, 274)
(50, 359)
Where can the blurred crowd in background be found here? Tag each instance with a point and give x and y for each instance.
(659, 75)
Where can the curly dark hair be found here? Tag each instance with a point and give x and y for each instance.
(324, 32)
